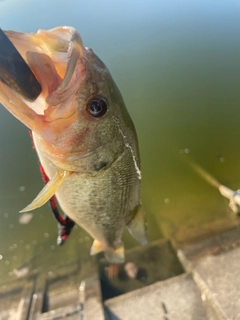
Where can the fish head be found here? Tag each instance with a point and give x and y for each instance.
(79, 108)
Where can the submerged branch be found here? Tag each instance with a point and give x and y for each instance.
(231, 195)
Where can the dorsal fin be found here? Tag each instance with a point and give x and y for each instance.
(48, 191)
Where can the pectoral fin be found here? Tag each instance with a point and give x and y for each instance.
(48, 191)
(138, 227)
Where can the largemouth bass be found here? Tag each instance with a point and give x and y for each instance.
(85, 139)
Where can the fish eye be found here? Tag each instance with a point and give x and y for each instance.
(97, 107)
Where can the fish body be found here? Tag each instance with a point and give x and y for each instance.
(84, 137)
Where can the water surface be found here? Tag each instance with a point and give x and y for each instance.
(177, 64)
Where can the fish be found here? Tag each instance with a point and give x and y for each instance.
(84, 137)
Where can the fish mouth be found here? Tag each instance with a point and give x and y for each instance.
(57, 59)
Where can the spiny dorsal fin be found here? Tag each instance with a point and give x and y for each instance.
(48, 191)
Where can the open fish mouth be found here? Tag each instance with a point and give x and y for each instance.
(15, 72)
(57, 60)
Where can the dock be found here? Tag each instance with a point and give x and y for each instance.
(195, 281)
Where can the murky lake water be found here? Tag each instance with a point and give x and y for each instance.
(177, 64)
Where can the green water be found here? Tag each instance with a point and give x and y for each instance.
(177, 64)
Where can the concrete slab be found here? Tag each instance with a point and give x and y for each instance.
(71, 312)
(175, 299)
(91, 299)
(214, 264)
(25, 302)
(156, 261)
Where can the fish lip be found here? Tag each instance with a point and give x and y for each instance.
(75, 51)
(76, 61)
